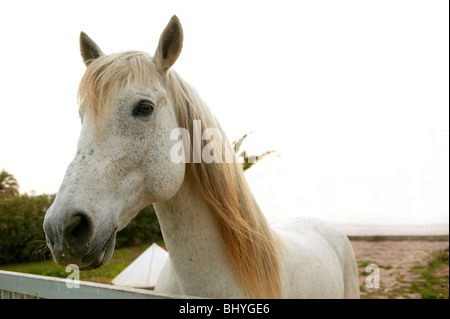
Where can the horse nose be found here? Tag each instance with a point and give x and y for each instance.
(77, 231)
(49, 233)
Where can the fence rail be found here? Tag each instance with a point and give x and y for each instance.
(15, 285)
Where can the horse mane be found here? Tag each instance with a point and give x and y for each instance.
(250, 244)
(248, 239)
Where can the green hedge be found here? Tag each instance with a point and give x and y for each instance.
(22, 238)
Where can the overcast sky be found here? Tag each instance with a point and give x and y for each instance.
(324, 82)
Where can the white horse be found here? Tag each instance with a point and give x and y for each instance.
(220, 245)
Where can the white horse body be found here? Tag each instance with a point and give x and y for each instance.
(220, 245)
(317, 260)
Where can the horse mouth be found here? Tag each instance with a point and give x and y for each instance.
(95, 258)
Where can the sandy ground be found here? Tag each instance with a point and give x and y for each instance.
(394, 260)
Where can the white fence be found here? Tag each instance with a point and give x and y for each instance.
(15, 285)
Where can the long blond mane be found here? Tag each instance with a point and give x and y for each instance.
(250, 244)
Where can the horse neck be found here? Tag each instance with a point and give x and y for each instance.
(192, 235)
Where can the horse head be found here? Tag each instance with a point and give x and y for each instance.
(122, 163)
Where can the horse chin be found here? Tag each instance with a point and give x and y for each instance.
(102, 256)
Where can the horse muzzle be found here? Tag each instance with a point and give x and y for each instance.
(73, 239)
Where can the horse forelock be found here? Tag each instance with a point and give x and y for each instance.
(107, 76)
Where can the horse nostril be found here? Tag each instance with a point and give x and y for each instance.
(81, 228)
(77, 230)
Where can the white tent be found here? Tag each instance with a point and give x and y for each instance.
(144, 271)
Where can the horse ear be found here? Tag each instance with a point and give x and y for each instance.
(170, 44)
(89, 49)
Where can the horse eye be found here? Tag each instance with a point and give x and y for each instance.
(143, 108)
